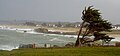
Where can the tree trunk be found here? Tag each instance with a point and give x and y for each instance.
(77, 44)
(85, 33)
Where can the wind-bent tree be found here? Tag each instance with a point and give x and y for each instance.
(94, 24)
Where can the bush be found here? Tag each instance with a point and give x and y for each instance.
(42, 30)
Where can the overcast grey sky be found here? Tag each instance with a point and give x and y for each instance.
(56, 10)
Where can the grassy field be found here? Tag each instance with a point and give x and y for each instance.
(83, 51)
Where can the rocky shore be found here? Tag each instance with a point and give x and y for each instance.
(44, 30)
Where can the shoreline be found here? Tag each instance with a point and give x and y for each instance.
(30, 29)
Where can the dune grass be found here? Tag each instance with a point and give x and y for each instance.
(82, 51)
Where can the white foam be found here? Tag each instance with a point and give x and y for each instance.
(117, 39)
(33, 32)
(6, 47)
(68, 36)
(56, 39)
(16, 29)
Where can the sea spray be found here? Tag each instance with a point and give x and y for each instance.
(8, 48)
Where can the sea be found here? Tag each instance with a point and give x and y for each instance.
(11, 39)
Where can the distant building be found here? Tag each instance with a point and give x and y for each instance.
(61, 24)
(116, 27)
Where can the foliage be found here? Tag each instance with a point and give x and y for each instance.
(59, 24)
(95, 23)
(44, 24)
(30, 24)
(42, 30)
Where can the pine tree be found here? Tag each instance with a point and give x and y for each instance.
(95, 24)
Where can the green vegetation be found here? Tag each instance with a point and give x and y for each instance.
(42, 30)
(29, 24)
(94, 25)
(82, 51)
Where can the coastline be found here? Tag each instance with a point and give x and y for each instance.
(30, 29)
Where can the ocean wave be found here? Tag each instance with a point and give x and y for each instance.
(60, 40)
(31, 31)
(7, 47)
(117, 39)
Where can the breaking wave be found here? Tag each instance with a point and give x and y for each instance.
(56, 39)
(7, 47)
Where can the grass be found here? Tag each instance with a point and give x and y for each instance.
(82, 51)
